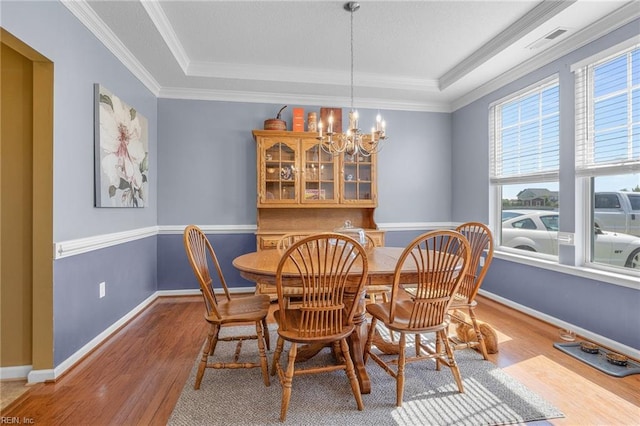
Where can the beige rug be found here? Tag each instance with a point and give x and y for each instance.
(239, 397)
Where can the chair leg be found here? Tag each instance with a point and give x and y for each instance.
(265, 329)
(400, 373)
(476, 328)
(351, 374)
(439, 344)
(214, 341)
(367, 346)
(441, 337)
(263, 356)
(287, 382)
(337, 352)
(206, 352)
(276, 355)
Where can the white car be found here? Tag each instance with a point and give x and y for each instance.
(538, 231)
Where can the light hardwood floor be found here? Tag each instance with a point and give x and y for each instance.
(136, 377)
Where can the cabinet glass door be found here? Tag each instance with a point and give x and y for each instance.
(280, 173)
(358, 178)
(319, 174)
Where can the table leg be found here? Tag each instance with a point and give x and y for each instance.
(383, 345)
(357, 341)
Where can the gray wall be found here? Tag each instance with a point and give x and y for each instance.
(207, 158)
(605, 309)
(79, 314)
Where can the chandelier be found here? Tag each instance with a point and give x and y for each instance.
(353, 141)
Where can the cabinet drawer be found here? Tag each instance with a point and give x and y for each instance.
(268, 242)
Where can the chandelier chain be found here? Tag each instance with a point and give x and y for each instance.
(353, 140)
(351, 59)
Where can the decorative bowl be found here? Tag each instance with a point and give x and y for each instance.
(567, 335)
(589, 347)
(617, 359)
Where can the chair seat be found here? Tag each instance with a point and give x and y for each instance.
(239, 309)
(382, 312)
(292, 332)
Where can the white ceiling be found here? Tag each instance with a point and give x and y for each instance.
(411, 55)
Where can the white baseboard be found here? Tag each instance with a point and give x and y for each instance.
(604, 341)
(16, 372)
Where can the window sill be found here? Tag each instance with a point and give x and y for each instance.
(631, 280)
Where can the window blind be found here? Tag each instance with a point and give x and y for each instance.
(608, 115)
(525, 136)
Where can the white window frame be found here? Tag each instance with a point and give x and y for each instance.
(496, 181)
(585, 169)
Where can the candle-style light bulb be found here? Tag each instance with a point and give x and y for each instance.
(378, 119)
(330, 130)
(355, 119)
(373, 134)
(320, 128)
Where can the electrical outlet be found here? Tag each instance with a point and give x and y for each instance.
(103, 289)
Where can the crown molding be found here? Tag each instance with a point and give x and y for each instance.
(609, 23)
(292, 98)
(307, 76)
(160, 20)
(87, 16)
(533, 19)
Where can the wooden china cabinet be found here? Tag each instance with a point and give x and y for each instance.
(301, 188)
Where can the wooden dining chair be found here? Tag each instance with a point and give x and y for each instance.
(223, 310)
(331, 270)
(481, 243)
(440, 260)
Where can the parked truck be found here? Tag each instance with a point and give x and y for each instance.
(618, 211)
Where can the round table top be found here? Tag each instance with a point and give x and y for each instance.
(382, 262)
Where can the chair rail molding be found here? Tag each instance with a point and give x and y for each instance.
(85, 245)
(62, 249)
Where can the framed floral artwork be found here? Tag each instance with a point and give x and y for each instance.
(121, 153)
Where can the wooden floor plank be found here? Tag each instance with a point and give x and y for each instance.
(137, 375)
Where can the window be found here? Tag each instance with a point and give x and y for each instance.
(524, 164)
(608, 156)
(550, 222)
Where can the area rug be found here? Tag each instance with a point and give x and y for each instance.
(239, 397)
(599, 360)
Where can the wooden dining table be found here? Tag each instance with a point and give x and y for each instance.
(260, 267)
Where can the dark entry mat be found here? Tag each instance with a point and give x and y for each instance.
(599, 360)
